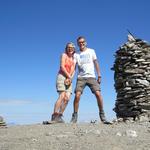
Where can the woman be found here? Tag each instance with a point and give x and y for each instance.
(64, 82)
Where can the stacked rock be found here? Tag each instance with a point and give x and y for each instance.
(132, 80)
(2, 123)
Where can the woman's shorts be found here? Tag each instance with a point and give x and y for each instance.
(60, 86)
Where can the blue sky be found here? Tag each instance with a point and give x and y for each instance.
(33, 34)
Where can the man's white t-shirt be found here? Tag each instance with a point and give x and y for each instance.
(85, 61)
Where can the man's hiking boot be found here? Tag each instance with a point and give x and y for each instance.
(74, 117)
(103, 118)
(57, 118)
(102, 115)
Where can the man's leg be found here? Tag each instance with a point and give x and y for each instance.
(99, 100)
(76, 107)
(100, 106)
(80, 85)
(76, 101)
(95, 88)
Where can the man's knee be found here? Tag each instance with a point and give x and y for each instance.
(77, 96)
(97, 93)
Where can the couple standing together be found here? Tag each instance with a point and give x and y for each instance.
(86, 61)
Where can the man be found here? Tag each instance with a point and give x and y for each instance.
(87, 62)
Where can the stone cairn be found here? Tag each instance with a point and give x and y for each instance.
(132, 80)
(2, 123)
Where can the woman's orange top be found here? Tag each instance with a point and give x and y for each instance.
(69, 63)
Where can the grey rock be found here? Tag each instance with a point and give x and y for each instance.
(118, 134)
(144, 82)
(1, 119)
(131, 133)
(145, 106)
(135, 71)
(143, 118)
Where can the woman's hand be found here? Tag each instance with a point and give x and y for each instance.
(67, 82)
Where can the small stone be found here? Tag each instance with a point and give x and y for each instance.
(131, 133)
(118, 134)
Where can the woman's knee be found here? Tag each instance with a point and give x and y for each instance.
(62, 95)
(66, 98)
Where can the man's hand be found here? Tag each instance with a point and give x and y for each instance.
(99, 79)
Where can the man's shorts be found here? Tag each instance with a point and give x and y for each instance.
(60, 86)
(92, 83)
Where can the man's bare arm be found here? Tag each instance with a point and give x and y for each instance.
(97, 70)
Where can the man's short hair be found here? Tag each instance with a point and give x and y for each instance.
(80, 37)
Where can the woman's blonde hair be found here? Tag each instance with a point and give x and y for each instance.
(70, 43)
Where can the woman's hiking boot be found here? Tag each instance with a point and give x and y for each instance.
(60, 119)
(74, 117)
(57, 117)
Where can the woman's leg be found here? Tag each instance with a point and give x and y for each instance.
(59, 102)
(65, 102)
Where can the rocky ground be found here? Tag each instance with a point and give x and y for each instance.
(88, 136)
